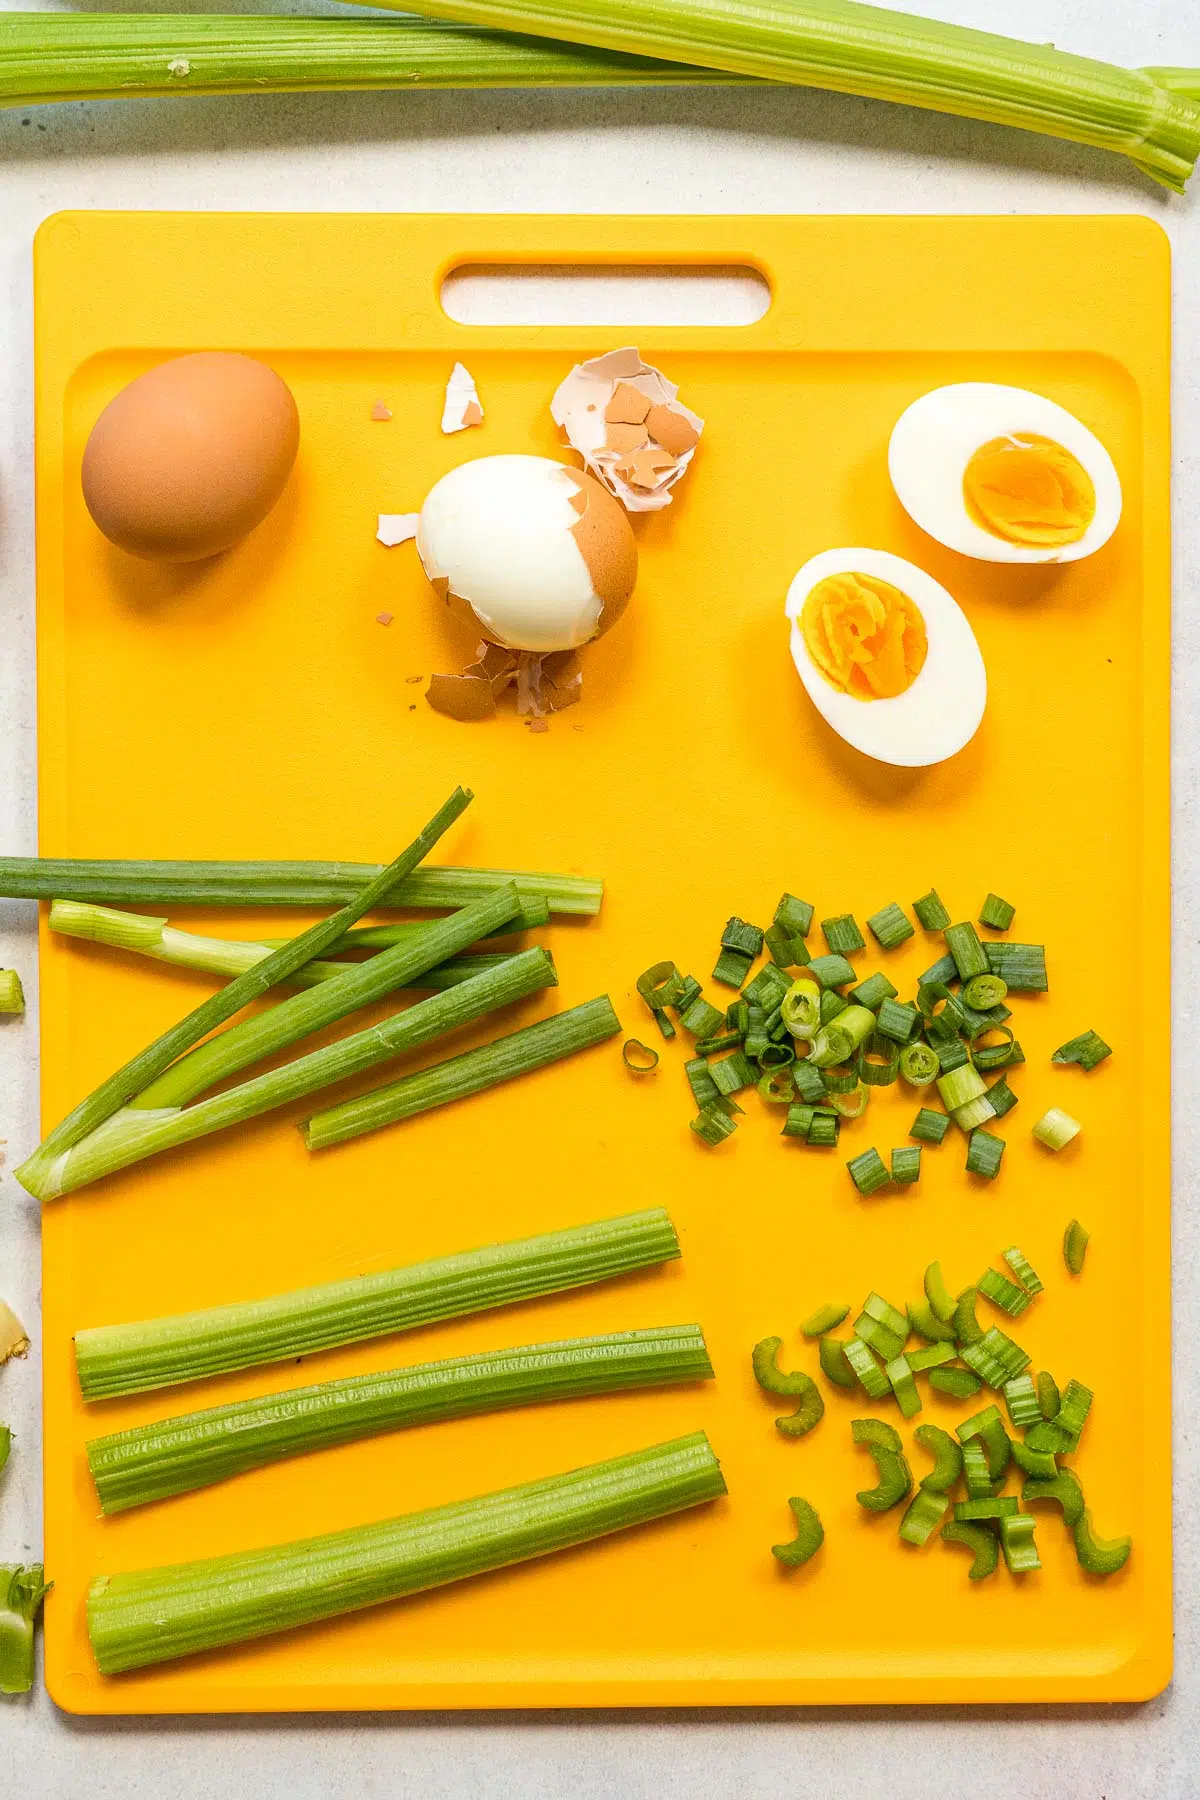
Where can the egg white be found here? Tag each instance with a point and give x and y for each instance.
(500, 530)
(936, 437)
(942, 709)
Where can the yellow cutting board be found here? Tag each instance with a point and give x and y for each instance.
(254, 707)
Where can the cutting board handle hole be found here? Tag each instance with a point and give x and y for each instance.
(598, 294)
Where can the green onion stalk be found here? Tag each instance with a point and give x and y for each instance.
(147, 1616)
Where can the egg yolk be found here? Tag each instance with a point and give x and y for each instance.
(864, 635)
(1029, 490)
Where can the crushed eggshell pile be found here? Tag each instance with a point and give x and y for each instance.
(462, 408)
(624, 419)
(544, 684)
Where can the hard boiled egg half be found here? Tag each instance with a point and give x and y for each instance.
(1004, 475)
(887, 656)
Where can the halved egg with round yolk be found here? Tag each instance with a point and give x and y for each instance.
(886, 655)
(1004, 475)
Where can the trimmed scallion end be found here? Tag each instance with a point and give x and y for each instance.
(929, 1126)
(794, 916)
(1075, 1243)
(825, 1319)
(1087, 1050)
(1055, 1129)
(842, 935)
(931, 911)
(12, 994)
(890, 926)
(1021, 966)
(996, 913)
(970, 956)
(868, 1172)
(906, 1164)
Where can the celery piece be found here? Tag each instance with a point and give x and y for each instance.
(14, 1340)
(12, 994)
(153, 1615)
(22, 1590)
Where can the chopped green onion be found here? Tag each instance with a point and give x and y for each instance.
(919, 1065)
(997, 913)
(779, 946)
(945, 969)
(746, 939)
(639, 1058)
(824, 1131)
(868, 1172)
(967, 1328)
(970, 956)
(1022, 966)
(12, 994)
(958, 1086)
(1003, 1506)
(731, 1074)
(1023, 1270)
(717, 1046)
(946, 1454)
(923, 1515)
(904, 1387)
(176, 1456)
(768, 988)
(810, 1082)
(960, 1384)
(825, 1319)
(897, 1020)
(906, 1164)
(983, 1544)
(22, 1590)
(980, 1485)
(756, 1039)
(1040, 1464)
(661, 986)
(895, 1480)
(778, 1057)
(979, 1024)
(701, 1019)
(131, 1359)
(931, 912)
(834, 1366)
(832, 1005)
(1087, 1050)
(1049, 1398)
(1016, 1055)
(872, 991)
(831, 971)
(967, 1118)
(1020, 1397)
(983, 992)
(867, 1372)
(712, 1125)
(890, 926)
(1075, 1243)
(878, 1061)
(838, 1081)
(838, 1042)
(924, 1320)
(505, 1059)
(1017, 1543)
(801, 1009)
(704, 1088)
(731, 968)
(775, 1086)
(810, 1535)
(1002, 1292)
(842, 935)
(1001, 1098)
(690, 991)
(930, 1356)
(152, 1615)
(1055, 1129)
(799, 1119)
(951, 1055)
(1062, 1489)
(992, 1056)
(794, 916)
(930, 1126)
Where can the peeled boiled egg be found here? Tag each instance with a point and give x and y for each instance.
(534, 555)
(191, 456)
(887, 656)
(1003, 475)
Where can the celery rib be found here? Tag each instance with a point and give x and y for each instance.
(153, 1615)
(156, 1353)
(133, 1134)
(505, 1059)
(194, 1450)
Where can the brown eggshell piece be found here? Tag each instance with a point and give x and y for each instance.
(463, 697)
(670, 429)
(628, 405)
(624, 438)
(607, 545)
(191, 456)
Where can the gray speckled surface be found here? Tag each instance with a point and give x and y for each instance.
(706, 151)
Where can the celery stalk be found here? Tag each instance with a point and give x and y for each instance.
(156, 1353)
(175, 1456)
(133, 1134)
(883, 55)
(22, 1591)
(152, 1615)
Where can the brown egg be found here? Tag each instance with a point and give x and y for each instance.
(191, 456)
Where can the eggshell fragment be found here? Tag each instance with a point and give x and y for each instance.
(462, 407)
(396, 528)
(190, 456)
(597, 397)
(465, 697)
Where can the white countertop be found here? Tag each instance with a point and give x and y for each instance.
(650, 151)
